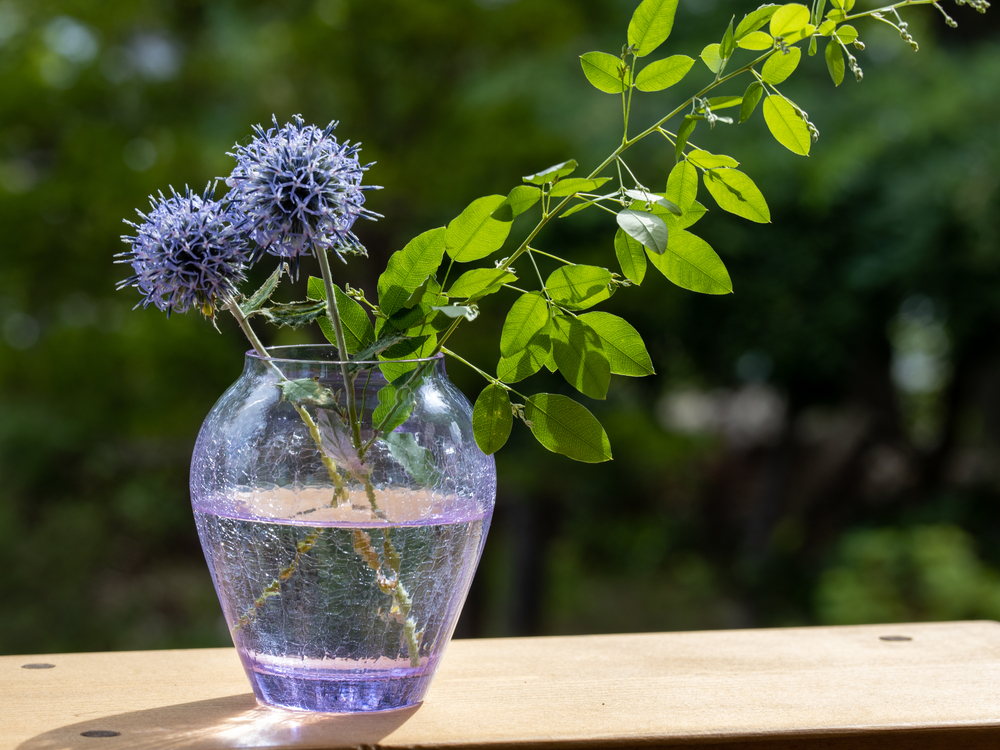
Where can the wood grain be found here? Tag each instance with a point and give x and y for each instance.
(831, 688)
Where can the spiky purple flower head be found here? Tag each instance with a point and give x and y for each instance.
(299, 189)
(186, 253)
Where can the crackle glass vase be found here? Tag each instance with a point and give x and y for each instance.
(341, 554)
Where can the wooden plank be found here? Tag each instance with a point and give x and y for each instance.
(831, 688)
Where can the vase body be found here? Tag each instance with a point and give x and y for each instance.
(341, 572)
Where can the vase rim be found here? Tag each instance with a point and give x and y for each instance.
(315, 354)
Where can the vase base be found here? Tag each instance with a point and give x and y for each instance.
(338, 695)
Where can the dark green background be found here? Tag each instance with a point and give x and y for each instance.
(825, 493)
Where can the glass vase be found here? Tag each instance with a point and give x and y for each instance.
(341, 553)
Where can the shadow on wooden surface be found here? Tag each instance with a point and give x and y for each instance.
(233, 721)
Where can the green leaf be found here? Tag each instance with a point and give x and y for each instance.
(525, 363)
(397, 361)
(826, 28)
(649, 200)
(712, 57)
(812, 46)
(651, 24)
(262, 295)
(576, 185)
(648, 229)
(728, 45)
(293, 314)
(384, 342)
(786, 125)
(480, 281)
(737, 194)
(579, 287)
(692, 264)
(492, 419)
(847, 34)
(357, 326)
(836, 16)
(527, 318)
(754, 20)
(723, 102)
(683, 134)
(308, 392)
(750, 98)
(580, 356)
(662, 74)
(756, 40)
(845, 5)
(687, 219)
(706, 160)
(553, 173)
(474, 234)
(606, 72)
(416, 460)
(631, 257)
(789, 20)
(622, 344)
(682, 184)
(578, 207)
(408, 268)
(566, 427)
(835, 62)
(780, 65)
(469, 312)
(518, 200)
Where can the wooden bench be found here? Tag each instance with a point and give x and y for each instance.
(932, 685)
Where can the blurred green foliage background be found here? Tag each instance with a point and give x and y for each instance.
(820, 447)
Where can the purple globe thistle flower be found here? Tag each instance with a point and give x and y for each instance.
(186, 253)
(299, 189)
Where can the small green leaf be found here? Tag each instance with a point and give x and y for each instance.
(845, 5)
(527, 318)
(689, 217)
(576, 185)
(786, 125)
(756, 40)
(525, 363)
(662, 74)
(492, 419)
(408, 268)
(649, 200)
(648, 229)
(836, 16)
(579, 287)
(692, 264)
(835, 62)
(682, 184)
(293, 314)
(650, 25)
(737, 194)
(812, 46)
(780, 65)
(308, 392)
(474, 234)
(728, 45)
(705, 160)
(847, 34)
(416, 460)
(480, 281)
(683, 134)
(553, 173)
(518, 200)
(262, 295)
(469, 312)
(566, 427)
(574, 209)
(826, 28)
(631, 257)
(357, 326)
(723, 102)
(789, 20)
(622, 344)
(580, 356)
(750, 98)
(712, 57)
(606, 72)
(754, 20)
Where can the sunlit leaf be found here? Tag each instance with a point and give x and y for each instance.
(653, 199)
(580, 356)
(518, 200)
(576, 185)
(683, 134)
(662, 74)
(780, 65)
(724, 102)
(687, 219)
(605, 72)
(408, 268)
(631, 257)
(682, 184)
(737, 194)
(648, 229)
(474, 234)
(553, 173)
(492, 419)
(728, 45)
(527, 318)
(480, 281)
(756, 40)
(564, 426)
(357, 326)
(651, 24)
(579, 287)
(750, 98)
(711, 57)
(526, 362)
(622, 344)
(835, 62)
(754, 20)
(847, 34)
(785, 124)
(692, 264)
(789, 19)
(706, 160)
